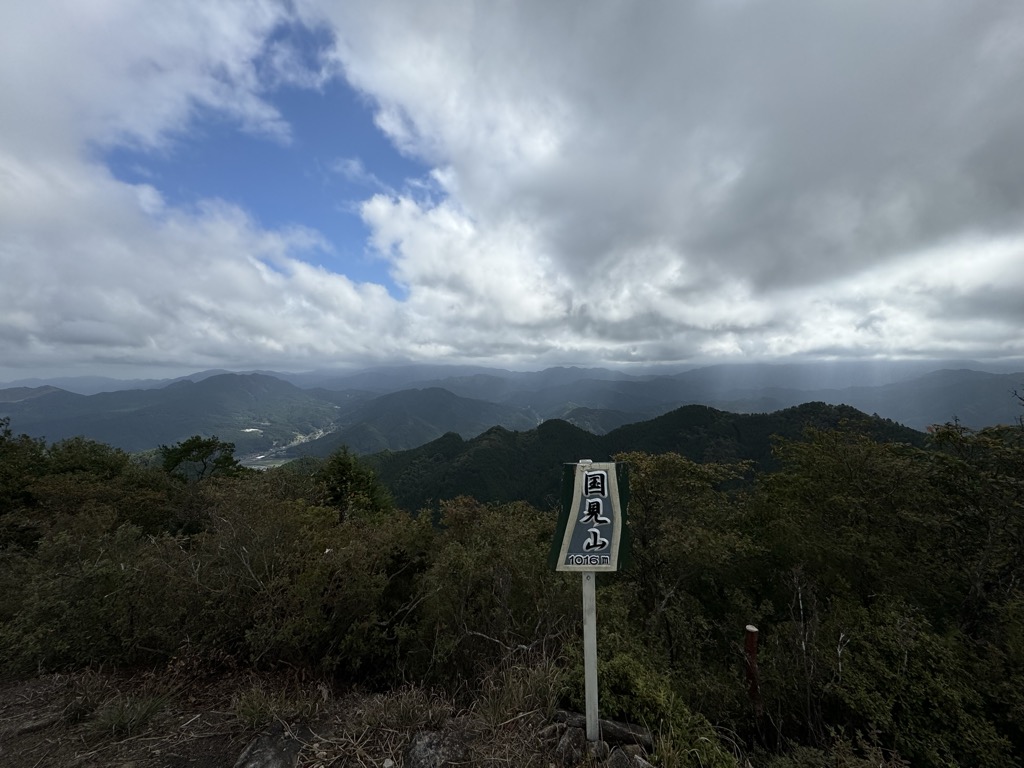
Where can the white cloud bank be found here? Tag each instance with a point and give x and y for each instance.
(614, 182)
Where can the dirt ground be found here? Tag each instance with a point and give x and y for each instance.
(160, 720)
(85, 720)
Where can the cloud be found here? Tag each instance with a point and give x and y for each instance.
(98, 271)
(353, 171)
(709, 160)
(124, 279)
(612, 182)
(110, 72)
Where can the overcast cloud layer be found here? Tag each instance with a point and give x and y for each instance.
(611, 182)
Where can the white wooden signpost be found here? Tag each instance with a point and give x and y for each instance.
(591, 530)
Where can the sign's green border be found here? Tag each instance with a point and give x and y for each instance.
(626, 540)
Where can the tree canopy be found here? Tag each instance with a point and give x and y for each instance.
(199, 457)
(885, 579)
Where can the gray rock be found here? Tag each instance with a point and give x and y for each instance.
(597, 750)
(572, 746)
(610, 730)
(274, 749)
(626, 758)
(619, 759)
(552, 732)
(432, 749)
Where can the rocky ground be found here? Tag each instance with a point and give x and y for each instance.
(173, 720)
(97, 719)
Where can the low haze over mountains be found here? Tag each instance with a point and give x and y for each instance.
(280, 416)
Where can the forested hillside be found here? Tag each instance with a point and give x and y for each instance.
(884, 575)
(501, 465)
(272, 418)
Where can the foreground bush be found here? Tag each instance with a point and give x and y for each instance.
(885, 581)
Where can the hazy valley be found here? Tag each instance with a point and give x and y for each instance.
(273, 417)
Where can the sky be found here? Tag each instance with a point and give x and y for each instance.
(305, 185)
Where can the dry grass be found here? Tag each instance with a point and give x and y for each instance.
(93, 718)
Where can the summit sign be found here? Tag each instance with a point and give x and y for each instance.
(590, 527)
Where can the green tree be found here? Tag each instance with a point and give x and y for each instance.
(489, 590)
(883, 564)
(981, 473)
(22, 462)
(199, 457)
(22, 459)
(349, 486)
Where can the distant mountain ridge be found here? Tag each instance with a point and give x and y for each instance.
(398, 408)
(391, 378)
(412, 417)
(19, 394)
(94, 385)
(254, 411)
(501, 466)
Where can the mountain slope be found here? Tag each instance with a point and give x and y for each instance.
(261, 413)
(253, 411)
(500, 465)
(412, 417)
(496, 465)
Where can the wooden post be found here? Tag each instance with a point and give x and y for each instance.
(590, 652)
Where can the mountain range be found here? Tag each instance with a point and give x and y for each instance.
(502, 466)
(275, 416)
